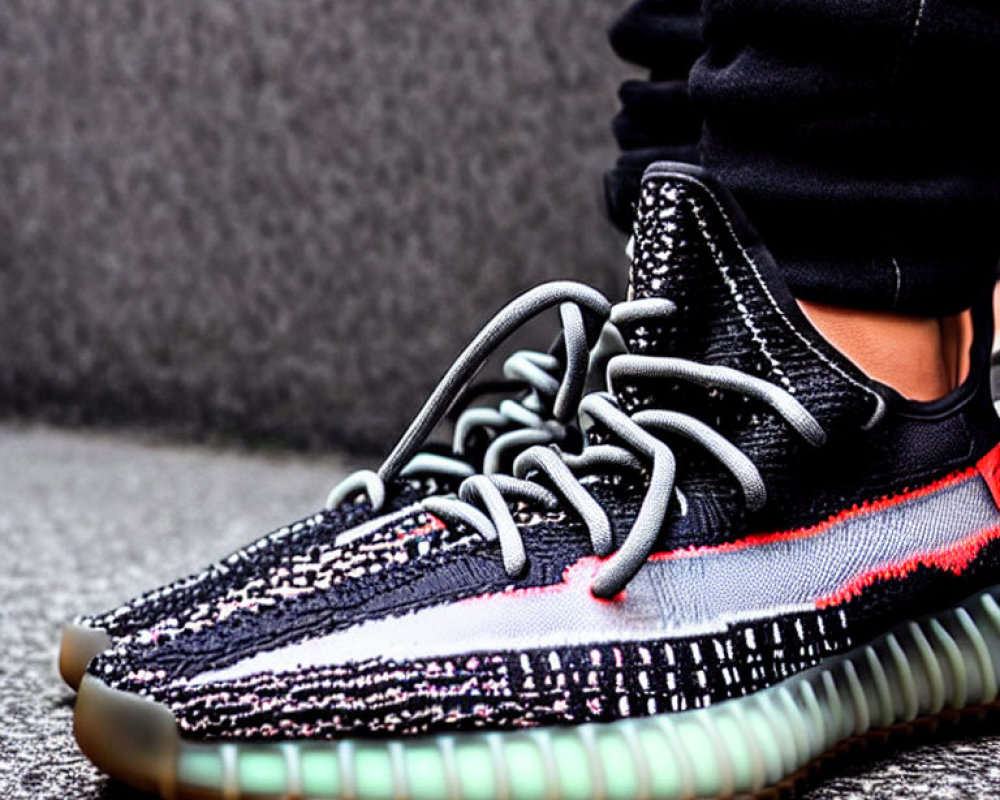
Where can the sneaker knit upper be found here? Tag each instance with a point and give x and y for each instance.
(886, 510)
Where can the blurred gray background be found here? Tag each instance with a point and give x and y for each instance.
(270, 221)
(279, 221)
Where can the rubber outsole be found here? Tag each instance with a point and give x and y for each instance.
(939, 668)
(78, 645)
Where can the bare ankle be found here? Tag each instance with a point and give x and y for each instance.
(923, 358)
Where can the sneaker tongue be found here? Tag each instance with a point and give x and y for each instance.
(693, 246)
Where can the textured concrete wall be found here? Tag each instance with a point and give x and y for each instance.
(282, 219)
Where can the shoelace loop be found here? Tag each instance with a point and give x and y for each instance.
(484, 502)
(540, 417)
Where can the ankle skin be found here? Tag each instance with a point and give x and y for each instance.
(922, 358)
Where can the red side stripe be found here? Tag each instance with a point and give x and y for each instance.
(988, 467)
(432, 524)
(955, 559)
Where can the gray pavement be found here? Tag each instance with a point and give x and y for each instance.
(87, 519)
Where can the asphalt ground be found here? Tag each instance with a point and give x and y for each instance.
(89, 519)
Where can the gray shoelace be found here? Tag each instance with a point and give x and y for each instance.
(538, 418)
(484, 502)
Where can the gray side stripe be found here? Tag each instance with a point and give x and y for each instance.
(668, 598)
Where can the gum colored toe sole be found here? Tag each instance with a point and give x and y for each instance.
(78, 646)
(127, 736)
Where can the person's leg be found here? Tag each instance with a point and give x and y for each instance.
(857, 137)
(657, 121)
(861, 141)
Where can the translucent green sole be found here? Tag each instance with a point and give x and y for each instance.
(739, 748)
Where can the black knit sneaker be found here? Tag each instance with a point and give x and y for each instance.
(541, 404)
(760, 555)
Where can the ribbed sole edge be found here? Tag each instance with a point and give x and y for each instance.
(940, 668)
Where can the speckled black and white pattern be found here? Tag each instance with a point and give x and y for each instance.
(298, 558)
(566, 685)
(414, 561)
